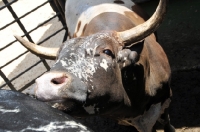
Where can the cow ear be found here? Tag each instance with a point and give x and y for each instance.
(129, 55)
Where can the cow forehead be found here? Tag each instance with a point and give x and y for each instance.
(91, 41)
(77, 56)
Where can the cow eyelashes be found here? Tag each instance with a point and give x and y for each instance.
(109, 53)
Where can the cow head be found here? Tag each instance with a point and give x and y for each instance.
(86, 77)
(87, 74)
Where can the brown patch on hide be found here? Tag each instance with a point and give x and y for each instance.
(108, 21)
(79, 25)
(135, 18)
(84, 28)
(74, 35)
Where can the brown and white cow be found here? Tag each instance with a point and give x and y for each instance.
(111, 66)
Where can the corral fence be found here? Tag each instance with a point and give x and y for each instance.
(57, 6)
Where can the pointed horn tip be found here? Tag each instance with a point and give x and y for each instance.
(16, 36)
(136, 33)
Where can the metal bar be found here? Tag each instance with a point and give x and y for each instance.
(65, 37)
(51, 35)
(8, 4)
(62, 19)
(59, 9)
(13, 59)
(22, 26)
(45, 63)
(28, 51)
(29, 84)
(30, 31)
(7, 81)
(58, 6)
(18, 18)
(18, 21)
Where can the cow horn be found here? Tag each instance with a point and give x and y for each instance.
(44, 52)
(145, 29)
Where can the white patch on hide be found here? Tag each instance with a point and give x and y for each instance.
(89, 51)
(145, 122)
(104, 64)
(89, 91)
(97, 109)
(55, 105)
(63, 63)
(165, 105)
(16, 110)
(90, 109)
(53, 126)
(80, 66)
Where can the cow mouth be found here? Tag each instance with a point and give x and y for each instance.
(68, 106)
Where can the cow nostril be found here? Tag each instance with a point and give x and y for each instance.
(59, 80)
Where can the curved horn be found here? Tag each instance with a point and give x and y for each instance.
(145, 29)
(44, 52)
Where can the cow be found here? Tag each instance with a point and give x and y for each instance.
(111, 65)
(21, 113)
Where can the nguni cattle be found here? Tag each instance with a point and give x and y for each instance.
(112, 65)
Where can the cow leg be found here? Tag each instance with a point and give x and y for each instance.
(165, 121)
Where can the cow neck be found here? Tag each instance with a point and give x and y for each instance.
(140, 80)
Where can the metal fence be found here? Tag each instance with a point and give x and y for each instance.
(57, 6)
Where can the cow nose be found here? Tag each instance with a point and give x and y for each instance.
(59, 80)
(50, 84)
(53, 79)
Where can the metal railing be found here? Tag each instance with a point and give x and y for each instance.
(58, 8)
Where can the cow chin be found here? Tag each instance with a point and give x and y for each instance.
(71, 107)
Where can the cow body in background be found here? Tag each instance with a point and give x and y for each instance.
(21, 113)
(112, 65)
(90, 17)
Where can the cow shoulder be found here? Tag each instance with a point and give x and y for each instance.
(156, 66)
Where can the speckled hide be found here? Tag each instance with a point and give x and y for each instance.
(19, 112)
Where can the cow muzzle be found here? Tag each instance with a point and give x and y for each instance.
(50, 85)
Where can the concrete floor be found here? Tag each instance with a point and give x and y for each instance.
(30, 22)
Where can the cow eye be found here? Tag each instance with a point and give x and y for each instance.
(108, 52)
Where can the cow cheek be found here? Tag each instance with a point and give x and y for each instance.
(76, 90)
(108, 82)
